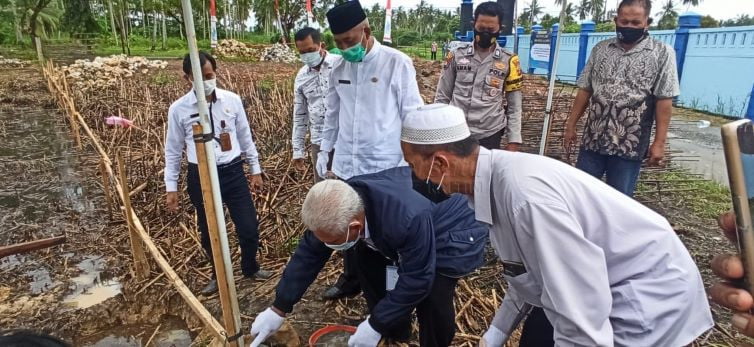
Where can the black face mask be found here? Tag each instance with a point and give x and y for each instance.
(630, 35)
(485, 39)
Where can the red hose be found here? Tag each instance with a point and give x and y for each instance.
(329, 329)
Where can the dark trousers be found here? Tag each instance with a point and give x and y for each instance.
(622, 174)
(235, 194)
(537, 331)
(436, 314)
(492, 141)
(434, 55)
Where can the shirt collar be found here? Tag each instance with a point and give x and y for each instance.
(646, 44)
(481, 201)
(376, 46)
(191, 96)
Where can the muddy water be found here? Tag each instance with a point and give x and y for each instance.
(172, 332)
(93, 285)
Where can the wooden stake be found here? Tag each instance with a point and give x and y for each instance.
(30, 246)
(106, 186)
(137, 249)
(226, 286)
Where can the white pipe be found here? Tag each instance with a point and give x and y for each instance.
(515, 26)
(196, 71)
(551, 88)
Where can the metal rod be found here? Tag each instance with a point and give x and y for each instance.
(234, 324)
(551, 89)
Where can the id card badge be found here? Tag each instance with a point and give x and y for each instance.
(391, 277)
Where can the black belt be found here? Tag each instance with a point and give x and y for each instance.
(232, 163)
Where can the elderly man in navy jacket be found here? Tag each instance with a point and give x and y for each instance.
(410, 254)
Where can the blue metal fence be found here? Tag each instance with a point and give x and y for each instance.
(715, 66)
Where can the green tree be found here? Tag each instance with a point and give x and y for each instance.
(533, 11)
(584, 9)
(709, 22)
(78, 17)
(668, 16)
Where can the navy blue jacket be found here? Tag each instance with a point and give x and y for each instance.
(424, 238)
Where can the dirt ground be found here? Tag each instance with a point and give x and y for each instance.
(51, 188)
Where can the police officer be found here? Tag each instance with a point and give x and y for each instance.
(476, 77)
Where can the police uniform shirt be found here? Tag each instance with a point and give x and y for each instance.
(310, 89)
(184, 113)
(606, 269)
(366, 104)
(477, 84)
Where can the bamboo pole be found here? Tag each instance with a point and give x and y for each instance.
(141, 266)
(214, 183)
(72, 111)
(226, 287)
(106, 186)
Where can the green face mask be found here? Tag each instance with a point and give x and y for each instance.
(355, 53)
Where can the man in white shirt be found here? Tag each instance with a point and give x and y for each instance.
(310, 89)
(606, 269)
(370, 93)
(232, 138)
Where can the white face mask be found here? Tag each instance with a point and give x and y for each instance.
(312, 59)
(209, 86)
(345, 245)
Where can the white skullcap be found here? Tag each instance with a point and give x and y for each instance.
(435, 124)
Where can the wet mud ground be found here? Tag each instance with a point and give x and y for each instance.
(83, 290)
(49, 188)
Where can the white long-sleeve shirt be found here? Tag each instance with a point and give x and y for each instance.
(309, 105)
(606, 269)
(184, 112)
(366, 104)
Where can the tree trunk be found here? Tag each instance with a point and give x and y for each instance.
(154, 30)
(123, 36)
(112, 20)
(41, 4)
(228, 18)
(144, 19)
(164, 29)
(16, 22)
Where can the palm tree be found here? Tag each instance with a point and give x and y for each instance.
(598, 10)
(534, 10)
(584, 9)
(668, 16)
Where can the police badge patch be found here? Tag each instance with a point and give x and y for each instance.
(448, 60)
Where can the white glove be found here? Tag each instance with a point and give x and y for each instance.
(493, 338)
(266, 324)
(365, 336)
(322, 158)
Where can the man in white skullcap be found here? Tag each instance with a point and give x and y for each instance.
(606, 269)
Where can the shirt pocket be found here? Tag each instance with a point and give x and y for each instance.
(228, 116)
(493, 89)
(526, 288)
(311, 90)
(464, 84)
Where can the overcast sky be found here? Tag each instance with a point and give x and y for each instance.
(719, 9)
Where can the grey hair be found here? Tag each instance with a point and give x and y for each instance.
(330, 206)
